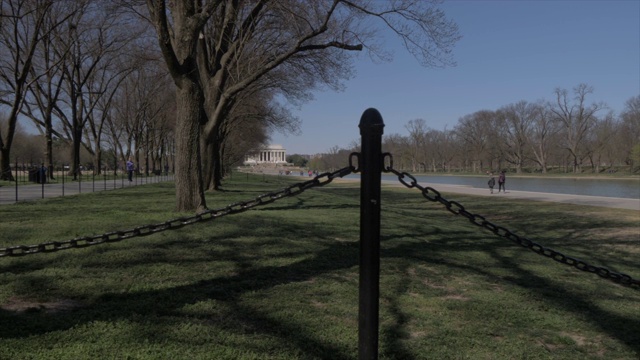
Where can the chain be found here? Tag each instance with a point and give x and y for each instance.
(456, 208)
(429, 193)
(115, 236)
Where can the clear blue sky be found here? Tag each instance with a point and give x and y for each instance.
(510, 51)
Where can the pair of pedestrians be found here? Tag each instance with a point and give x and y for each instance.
(502, 178)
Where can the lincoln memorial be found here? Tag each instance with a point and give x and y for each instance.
(272, 154)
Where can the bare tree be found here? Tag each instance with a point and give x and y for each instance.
(441, 150)
(20, 34)
(417, 142)
(526, 135)
(398, 146)
(121, 55)
(96, 38)
(475, 131)
(334, 159)
(598, 143)
(47, 75)
(248, 125)
(576, 118)
(262, 36)
(629, 137)
(26, 147)
(106, 86)
(518, 121)
(544, 130)
(138, 125)
(122, 123)
(257, 103)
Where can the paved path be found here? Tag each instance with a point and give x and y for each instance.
(619, 203)
(31, 192)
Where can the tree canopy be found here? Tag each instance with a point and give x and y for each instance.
(216, 50)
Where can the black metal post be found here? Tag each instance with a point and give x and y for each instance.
(42, 177)
(16, 166)
(63, 171)
(371, 129)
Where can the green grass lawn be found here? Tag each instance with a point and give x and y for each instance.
(281, 281)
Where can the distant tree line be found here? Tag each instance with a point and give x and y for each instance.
(568, 134)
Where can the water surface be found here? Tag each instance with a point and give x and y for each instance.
(617, 188)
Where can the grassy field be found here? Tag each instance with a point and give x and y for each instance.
(281, 281)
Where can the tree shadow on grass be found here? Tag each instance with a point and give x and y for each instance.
(333, 257)
(545, 289)
(110, 307)
(167, 302)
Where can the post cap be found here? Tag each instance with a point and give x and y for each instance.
(370, 121)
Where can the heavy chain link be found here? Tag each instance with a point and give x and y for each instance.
(429, 193)
(456, 208)
(115, 236)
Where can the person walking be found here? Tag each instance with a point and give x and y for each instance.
(130, 168)
(501, 180)
(492, 182)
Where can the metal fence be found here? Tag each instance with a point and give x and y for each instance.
(32, 182)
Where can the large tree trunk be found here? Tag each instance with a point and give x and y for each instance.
(48, 152)
(211, 165)
(5, 164)
(188, 173)
(97, 160)
(5, 143)
(207, 159)
(217, 165)
(212, 160)
(575, 163)
(218, 159)
(75, 152)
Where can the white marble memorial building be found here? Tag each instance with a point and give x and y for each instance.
(272, 154)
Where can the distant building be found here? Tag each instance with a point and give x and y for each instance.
(271, 154)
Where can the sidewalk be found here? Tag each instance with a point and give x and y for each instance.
(31, 192)
(618, 203)
(609, 202)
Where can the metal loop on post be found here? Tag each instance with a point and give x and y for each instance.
(355, 155)
(386, 156)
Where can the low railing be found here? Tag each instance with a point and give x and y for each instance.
(34, 182)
